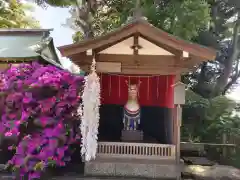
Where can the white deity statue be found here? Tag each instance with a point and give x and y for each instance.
(131, 116)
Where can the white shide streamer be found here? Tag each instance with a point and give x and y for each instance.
(90, 114)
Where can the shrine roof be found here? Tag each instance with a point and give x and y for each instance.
(145, 30)
(27, 44)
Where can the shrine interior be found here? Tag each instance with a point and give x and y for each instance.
(156, 102)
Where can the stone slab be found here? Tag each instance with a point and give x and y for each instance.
(216, 172)
(102, 169)
(167, 171)
(136, 170)
(128, 169)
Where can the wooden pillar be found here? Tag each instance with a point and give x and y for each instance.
(177, 118)
(178, 123)
(224, 149)
(179, 99)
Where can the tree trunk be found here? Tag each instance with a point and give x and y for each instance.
(228, 64)
(85, 11)
(200, 88)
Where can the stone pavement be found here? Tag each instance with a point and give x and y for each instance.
(76, 178)
(100, 178)
(96, 178)
(6, 177)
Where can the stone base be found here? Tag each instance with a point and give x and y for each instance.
(215, 172)
(132, 135)
(132, 168)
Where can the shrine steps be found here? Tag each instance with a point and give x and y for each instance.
(139, 160)
(132, 168)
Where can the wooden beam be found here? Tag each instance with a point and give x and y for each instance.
(140, 70)
(135, 49)
(146, 60)
(110, 67)
(148, 64)
(188, 62)
(126, 59)
(185, 54)
(135, 45)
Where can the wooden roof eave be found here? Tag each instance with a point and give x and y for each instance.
(155, 34)
(146, 30)
(112, 37)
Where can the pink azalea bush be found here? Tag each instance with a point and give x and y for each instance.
(38, 108)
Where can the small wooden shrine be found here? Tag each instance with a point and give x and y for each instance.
(25, 45)
(141, 53)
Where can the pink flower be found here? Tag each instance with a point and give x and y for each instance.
(42, 145)
(27, 100)
(10, 148)
(61, 163)
(60, 126)
(27, 137)
(8, 134)
(17, 122)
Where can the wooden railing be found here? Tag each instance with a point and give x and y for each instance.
(136, 150)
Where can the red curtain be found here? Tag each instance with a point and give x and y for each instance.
(154, 90)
